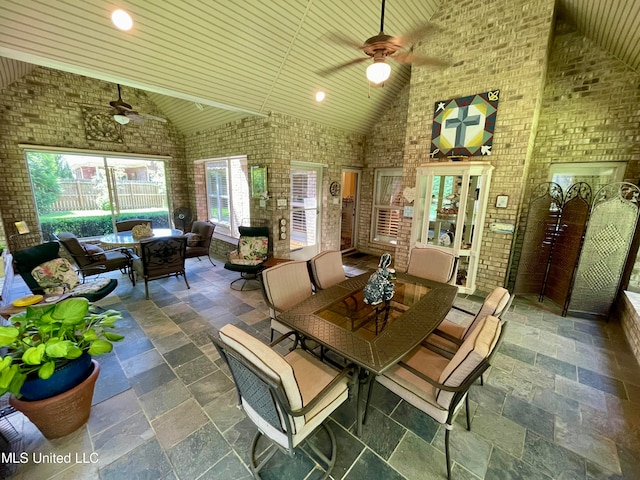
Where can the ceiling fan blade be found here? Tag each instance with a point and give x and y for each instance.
(331, 70)
(417, 34)
(341, 39)
(420, 60)
(146, 116)
(134, 117)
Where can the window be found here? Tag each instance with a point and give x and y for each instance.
(228, 193)
(85, 193)
(387, 205)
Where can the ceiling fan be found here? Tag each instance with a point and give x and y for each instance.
(383, 46)
(123, 113)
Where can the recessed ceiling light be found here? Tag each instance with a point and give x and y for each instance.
(320, 95)
(122, 20)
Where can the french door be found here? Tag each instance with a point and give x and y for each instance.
(306, 185)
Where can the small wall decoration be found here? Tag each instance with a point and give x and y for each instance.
(100, 125)
(502, 201)
(258, 181)
(464, 126)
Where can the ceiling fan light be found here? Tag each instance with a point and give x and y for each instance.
(378, 72)
(121, 119)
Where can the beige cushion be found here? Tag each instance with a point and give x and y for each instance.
(476, 347)
(411, 388)
(432, 264)
(266, 359)
(493, 304)
(56, 276)
(302, 376)
(193, 239)
(327, 269)
(287, 284)
(96, 252)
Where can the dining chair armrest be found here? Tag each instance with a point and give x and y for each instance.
(349, 369)
(463, 310)
(447, 388)
(286, 336)
(448, 337)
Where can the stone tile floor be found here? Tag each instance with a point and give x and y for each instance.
(562, 401)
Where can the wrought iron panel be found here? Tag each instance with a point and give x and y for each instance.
(566, 250)
(607, 241)
(542, 221)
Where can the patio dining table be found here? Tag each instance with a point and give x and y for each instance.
(373, 337)
(126, 239)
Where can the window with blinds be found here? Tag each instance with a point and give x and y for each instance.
(227, 193)
(387, 205)
(304, 187)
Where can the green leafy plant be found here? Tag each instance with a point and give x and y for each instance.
(45, 337)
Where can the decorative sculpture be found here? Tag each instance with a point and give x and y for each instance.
(379, 287)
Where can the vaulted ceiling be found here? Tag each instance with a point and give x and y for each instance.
(251, 57)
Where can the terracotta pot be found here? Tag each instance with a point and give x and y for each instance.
(61, 414)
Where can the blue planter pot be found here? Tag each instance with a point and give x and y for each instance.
(64, 378)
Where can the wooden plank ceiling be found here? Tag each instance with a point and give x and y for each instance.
(251, 57)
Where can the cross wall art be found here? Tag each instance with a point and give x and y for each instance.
(464, 126)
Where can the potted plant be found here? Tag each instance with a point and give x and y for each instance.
(46, 361)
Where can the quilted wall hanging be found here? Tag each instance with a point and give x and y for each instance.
(464, 126)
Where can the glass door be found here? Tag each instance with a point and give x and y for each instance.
(86, 194)
(306, 182)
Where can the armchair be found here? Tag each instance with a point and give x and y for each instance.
(286, 397)
(93, 260)
(161, 257)
(127, 225)
(449, 335)
(45, 272)
(253, 250)
(284, 286)
(438, 385)
(199, 240)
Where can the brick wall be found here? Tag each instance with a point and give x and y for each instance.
(275, 142)
(493, 45)
(43, 108)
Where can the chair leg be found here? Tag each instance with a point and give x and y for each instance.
(466, 407)
(366, 405)
(146, 288)
(447, 453)
(211, 260)
(481, 379)
(184, 274)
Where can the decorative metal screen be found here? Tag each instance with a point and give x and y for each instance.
(542, 221)
(566, 250)
(607, 241)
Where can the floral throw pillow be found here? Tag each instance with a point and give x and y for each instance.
(253, 248)
(56, 276)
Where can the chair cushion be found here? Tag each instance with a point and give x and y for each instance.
(266, 359)
(286, 284)
(327, 269)
(432, 264)
(95, 251)
(56, 276)
(476, 347)
(90, 287)
(193, 239)
(493, 304)
(253, 248)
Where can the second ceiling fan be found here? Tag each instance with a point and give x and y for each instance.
(123, 113)
(383, 46)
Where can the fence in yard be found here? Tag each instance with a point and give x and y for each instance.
(131, 195)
